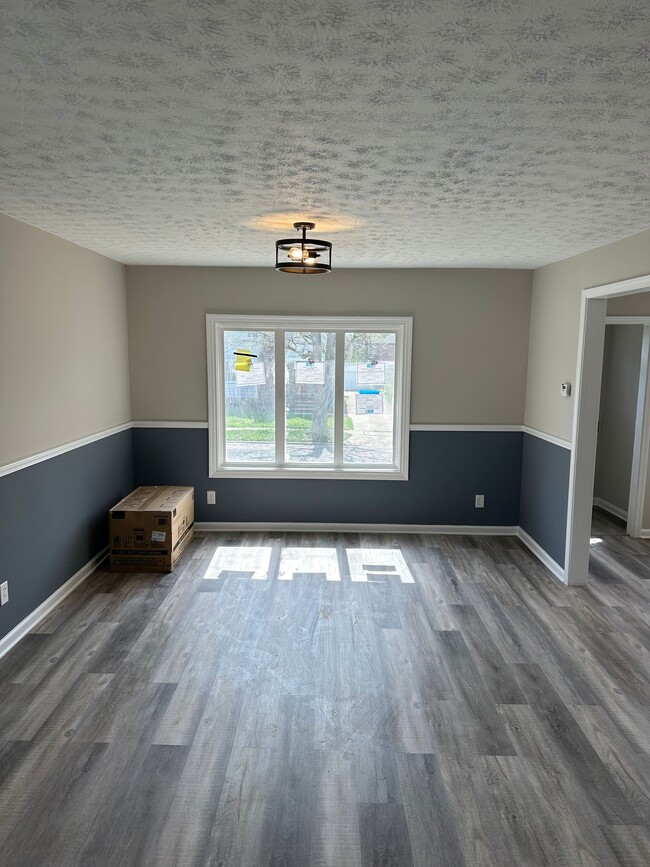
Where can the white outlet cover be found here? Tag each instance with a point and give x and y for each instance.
(211, 498)
(4, 593)
(479, 501)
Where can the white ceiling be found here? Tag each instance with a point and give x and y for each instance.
(468, 133)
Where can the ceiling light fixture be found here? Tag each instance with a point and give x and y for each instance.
(303, 256)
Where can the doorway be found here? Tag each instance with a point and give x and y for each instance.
(591, 346)
(619, 478)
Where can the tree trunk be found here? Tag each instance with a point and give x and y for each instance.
(324, 398)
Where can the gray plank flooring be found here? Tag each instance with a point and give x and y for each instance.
(350, 700)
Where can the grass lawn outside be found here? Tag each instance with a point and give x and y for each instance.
(254, 430)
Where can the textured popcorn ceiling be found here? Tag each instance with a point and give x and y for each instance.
(466, 133)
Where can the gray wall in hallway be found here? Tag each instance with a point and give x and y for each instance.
(54, 519)
(447, 468)
(617, 415)
(545, 494)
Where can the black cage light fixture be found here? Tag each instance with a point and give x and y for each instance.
(303, 256)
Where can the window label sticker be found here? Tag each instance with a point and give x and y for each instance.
(371, 374)
(310, 374)
(255, 376)
(370, 404)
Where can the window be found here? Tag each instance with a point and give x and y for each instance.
(304, 397)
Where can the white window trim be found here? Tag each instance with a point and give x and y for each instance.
(217, 323)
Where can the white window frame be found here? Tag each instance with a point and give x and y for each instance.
(401, 326)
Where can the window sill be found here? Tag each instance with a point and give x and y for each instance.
(374, 474)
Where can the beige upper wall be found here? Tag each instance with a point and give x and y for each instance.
(555, 319)
(470, 340)
(63, 342)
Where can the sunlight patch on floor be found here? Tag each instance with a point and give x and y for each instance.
(301, 560)
(240, 558)
(366, 565)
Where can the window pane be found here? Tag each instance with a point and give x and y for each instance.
(369, 394)
(249, 396)
(309, 357)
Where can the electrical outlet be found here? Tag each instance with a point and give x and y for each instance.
(212, 498)
(4, 593)
(479, 501)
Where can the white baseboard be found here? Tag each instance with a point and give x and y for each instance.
(542, 555)
(644, 534)
(281, 527)
(50, 603)
(611, 508)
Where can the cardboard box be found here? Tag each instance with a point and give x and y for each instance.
(150, 529)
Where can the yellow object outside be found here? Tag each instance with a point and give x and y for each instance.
(244, 360)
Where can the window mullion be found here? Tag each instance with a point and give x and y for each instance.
(220, 395)
(339, 397)
(397, 399)
(280, 398)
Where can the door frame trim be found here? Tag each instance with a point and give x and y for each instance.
(591, 340)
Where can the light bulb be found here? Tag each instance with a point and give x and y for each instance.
(295, 253)
(311, 258)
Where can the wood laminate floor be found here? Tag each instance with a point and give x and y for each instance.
(603, 523)
(335, 701)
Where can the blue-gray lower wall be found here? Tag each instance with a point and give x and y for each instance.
(53, 519)
(545, 494)
(447, 469)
